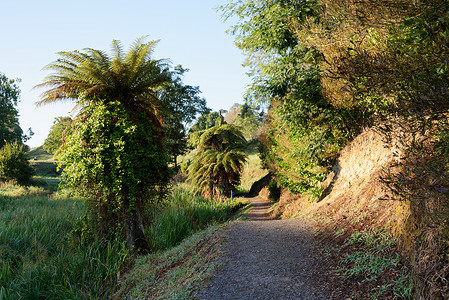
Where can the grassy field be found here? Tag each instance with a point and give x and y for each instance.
(45, 168)
(39, 153)
(38, 257)
(41, 258)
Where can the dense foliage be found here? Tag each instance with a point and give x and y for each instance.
(304, 131)
(10, 130)
(331, 68)
(114, 153)
(219, 160)
(54, 139)
(14, 164)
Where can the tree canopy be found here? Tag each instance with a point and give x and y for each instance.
(54, 139)
(181, 104)
(114, 152)
(219, 160)
(10, 130)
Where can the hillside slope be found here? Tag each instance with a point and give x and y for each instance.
(353, 193)
(355, 200)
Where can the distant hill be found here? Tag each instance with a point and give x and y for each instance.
(39, 153)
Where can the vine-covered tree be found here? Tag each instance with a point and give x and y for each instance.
(219, 161)
(114, 153)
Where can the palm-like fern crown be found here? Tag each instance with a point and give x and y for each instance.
(219, 137)
(220, 159)
(92, 75)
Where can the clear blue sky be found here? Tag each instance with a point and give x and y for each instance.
(191, 33)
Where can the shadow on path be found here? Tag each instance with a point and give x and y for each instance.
(267, 259)
(260, 210)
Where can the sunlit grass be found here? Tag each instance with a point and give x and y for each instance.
(38, 258)
(183, 214)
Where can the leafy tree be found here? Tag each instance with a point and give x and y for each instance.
(249, 120)
(220, 158)
(206, 120)
(14, 163)
(55, 137)
(10, 130)
(181, 104)
(114, 154)
(286, 74)
(232, 113)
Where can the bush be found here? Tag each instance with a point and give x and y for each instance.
(275, 191)
(14, 164)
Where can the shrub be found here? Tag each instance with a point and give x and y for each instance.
(14, 164)
(275, 191)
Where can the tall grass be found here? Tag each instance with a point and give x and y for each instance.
(184, 214)
(38, 258)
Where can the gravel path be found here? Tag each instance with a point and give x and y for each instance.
(267, 259)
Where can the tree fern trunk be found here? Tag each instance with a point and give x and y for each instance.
(135, 235)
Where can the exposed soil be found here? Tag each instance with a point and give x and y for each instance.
(269, 259)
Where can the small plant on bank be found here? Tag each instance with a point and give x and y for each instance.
(275, 191)
(371, 259)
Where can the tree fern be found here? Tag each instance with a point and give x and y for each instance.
(220, 159)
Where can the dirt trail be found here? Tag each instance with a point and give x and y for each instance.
(267, 259)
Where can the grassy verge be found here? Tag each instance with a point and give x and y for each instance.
(176, 273)
(184, 214)
(41, 258)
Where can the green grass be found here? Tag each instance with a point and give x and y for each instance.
(175, 273)
(38, 257)
(39, 153)
(45, 168)
(373, 260)
(184, 214)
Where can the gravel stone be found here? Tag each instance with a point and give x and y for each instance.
(267, 259)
